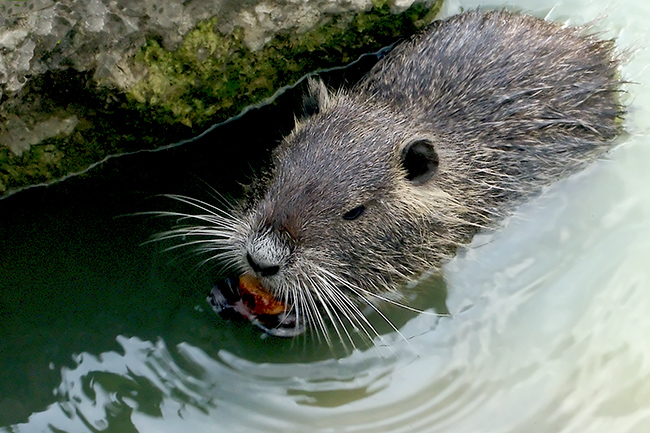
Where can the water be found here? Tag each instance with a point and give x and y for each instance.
(549, 329)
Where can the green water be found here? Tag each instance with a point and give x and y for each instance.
(102, 331)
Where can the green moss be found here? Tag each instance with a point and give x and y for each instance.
(211, 76)
(108, 124)
(42, 163)
(208, 79)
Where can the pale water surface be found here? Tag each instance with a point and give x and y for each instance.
(549, 328)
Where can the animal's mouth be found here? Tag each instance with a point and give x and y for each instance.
(245, 298)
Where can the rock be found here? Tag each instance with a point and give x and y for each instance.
(116, 76)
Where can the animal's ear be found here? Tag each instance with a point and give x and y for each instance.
(420, 161)
(317, 97)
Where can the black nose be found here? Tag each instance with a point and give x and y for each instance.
(263, 270)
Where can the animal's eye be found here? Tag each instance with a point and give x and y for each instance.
(354, 213)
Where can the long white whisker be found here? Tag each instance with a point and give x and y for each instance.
(359, 292)
(333, 300)
(316, 320)
(326, 305)
(200, 204)
(348, 308)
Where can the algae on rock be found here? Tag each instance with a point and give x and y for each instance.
(63, 109)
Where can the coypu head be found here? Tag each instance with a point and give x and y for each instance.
(345, 212)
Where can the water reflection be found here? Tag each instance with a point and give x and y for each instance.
(538, 342)
(148, 387)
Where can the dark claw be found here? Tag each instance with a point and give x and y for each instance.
(230, 289)
(281, 325)
(218, 301)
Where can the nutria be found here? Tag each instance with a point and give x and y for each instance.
(440, 139)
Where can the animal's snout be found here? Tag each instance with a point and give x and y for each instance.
(266, 253)
(264, 269)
